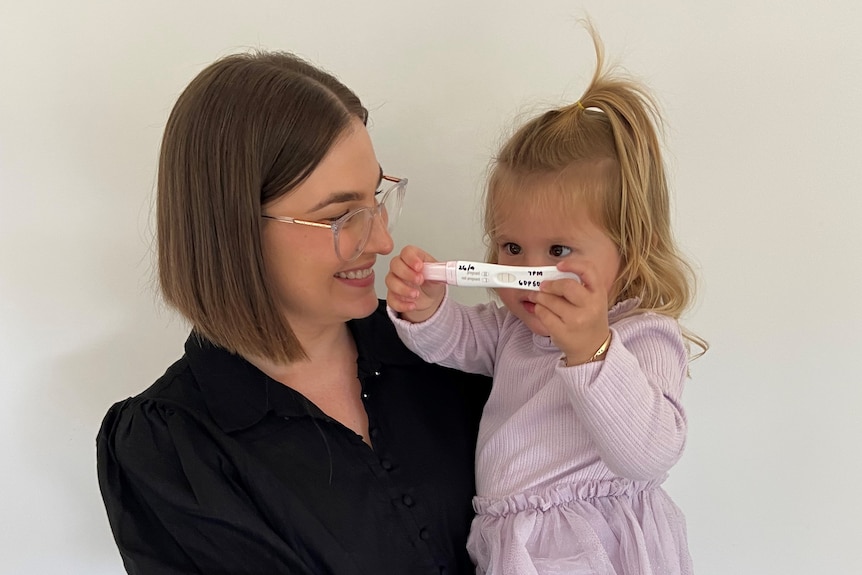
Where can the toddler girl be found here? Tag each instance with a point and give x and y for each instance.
(585, 417)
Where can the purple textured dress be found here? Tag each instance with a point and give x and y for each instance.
(570, 460)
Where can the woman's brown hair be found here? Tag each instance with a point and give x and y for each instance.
(247, 130)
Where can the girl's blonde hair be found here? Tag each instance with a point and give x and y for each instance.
(603, 152)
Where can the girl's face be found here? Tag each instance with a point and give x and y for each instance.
(534, 237)
(314, 288)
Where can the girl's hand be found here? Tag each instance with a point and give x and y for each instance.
(407, 291)
(575, 314)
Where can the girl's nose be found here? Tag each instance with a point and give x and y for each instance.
(538, 260)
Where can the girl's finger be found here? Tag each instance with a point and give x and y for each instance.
(582, 268)
(552, 322)
(561, 307)
(562, 287)
(402, 292)
(401, 270)
(399, 304)
(414, 257)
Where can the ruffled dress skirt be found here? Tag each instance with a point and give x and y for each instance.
(615, 527)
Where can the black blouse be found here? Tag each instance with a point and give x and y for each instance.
(218, 469)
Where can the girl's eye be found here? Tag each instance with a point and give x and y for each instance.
(560, 251)
(511, 248)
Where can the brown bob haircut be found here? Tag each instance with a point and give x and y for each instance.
(247, 130)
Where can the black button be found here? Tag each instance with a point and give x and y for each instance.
(424, 535)
(386, 464)
(443, 571)
(376, 374)
(364, 395)
(408, 501)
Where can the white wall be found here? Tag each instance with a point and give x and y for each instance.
(763, 101)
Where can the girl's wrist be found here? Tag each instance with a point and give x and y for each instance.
(599, 354)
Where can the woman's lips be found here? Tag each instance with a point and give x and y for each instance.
(361, 277)
(529, 306)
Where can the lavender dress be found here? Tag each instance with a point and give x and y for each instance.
(570, 460)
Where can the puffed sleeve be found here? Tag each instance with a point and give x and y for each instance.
(175, 502)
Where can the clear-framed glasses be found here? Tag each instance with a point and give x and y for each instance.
(352, 230)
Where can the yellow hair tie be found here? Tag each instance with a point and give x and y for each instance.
(581, 106)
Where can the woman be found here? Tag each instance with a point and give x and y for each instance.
(296, 434)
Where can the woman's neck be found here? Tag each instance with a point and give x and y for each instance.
(323, 347)
(328, 378)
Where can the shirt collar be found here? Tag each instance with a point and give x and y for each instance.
(238, 395)
(235, 392)
(377, 343)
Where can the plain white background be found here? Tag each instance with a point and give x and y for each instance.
(765, 132)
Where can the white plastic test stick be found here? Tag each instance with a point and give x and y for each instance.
(478, 274)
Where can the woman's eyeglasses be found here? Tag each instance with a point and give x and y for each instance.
(352, 230)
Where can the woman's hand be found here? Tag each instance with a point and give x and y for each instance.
(408, 293)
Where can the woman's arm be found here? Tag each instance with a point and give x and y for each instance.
(174, 504)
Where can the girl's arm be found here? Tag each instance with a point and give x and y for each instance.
(630, 402)
(456, 336)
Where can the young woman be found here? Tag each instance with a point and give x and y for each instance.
(296, 434)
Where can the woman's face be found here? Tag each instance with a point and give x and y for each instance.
(314, 288)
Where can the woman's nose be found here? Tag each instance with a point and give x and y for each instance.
(380, 241)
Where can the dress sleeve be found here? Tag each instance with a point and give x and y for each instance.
(457, 336)
(174, 502)
(631, 402)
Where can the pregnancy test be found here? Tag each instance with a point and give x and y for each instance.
(478, 274)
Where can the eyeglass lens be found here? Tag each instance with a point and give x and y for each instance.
(353, 233)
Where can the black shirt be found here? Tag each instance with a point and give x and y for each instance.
(218, 469)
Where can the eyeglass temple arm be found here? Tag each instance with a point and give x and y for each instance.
(297, 221)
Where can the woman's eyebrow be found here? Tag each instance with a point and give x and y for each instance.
(344, 197)
(337, 198)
